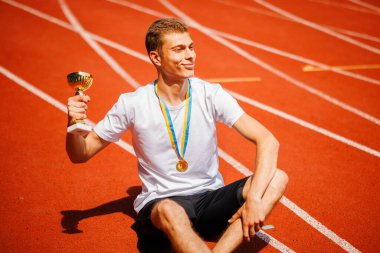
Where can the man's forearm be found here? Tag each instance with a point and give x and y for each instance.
(76, 148)
(266, 165)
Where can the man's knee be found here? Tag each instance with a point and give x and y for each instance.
(280, 180)
(167, 213)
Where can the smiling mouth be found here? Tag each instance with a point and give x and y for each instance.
(189, 66)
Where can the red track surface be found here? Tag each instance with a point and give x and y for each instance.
(335, 183)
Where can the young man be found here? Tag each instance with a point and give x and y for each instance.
(174, 136)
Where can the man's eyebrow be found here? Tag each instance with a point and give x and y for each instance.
(182, 45)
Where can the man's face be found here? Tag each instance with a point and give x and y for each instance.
(177, 55)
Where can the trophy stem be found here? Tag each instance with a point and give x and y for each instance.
(79, 92)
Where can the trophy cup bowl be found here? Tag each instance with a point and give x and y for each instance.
(79, 81)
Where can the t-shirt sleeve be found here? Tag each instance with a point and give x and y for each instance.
(226, 108)
(115, 123)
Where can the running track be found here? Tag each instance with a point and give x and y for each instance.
(327, 121)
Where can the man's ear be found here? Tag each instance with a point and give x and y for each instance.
(155, 58)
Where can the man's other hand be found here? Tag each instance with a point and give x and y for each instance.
(252, 215)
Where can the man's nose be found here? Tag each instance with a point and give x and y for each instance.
(190, 53)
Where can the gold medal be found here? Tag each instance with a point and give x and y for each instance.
(181, 165)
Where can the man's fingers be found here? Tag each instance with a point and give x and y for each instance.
(76, 109)
(79, 98)
(234, 218)
(75, 115)
(246, 232)
(252, 231)
(77, 104)
(257, 227)
(86, 98)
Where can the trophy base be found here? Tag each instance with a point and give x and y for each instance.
(79, 129)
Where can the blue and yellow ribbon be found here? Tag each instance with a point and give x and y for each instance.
(169, 122)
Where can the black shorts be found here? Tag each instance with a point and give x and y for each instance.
(209, 212)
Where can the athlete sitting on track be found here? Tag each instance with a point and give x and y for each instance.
(173, 123)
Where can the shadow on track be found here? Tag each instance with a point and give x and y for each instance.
(71, 219)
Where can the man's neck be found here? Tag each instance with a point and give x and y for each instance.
(173, 92)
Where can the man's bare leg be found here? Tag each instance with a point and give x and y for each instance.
(233, 236)
(172, 219)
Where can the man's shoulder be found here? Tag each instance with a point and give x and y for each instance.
(141, 94)
(204, 84)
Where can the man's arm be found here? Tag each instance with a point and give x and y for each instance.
(252, 212)
(79, 148)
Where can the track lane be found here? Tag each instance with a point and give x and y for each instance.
(283, 34)
(110, 208)
(41, 182)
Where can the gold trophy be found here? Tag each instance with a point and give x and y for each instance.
(79, 81)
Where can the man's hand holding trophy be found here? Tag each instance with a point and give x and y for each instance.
(77, 105)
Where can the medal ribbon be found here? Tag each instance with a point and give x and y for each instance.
(169, 122)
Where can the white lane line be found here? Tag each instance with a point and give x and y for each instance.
(273, 241)
(236, 95)
(281, 74)
(367, 5)
(124, 145)
(139, 8)
(145, 58)
(318, 225)
(356, 34)
(183, 16)
(275, 15)
(68, 26)
(294, 208)
(345, 6)
(54, 102)
(305, 124)
(318, 27)
(96, 47)
(295, 57)
(268, 67)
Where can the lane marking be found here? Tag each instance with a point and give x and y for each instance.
(294, 208)
(143, 57)
(96, 47)
(139, 8)
(305, 124)
(356, 34)
(236, 95)
(256, 44)
(295, 57)
(345, 6)
(275, 15)
(206, 31)
(233, 79)
(124, 145)
(309, 68)
(127, 145)
(268, 67)
(318, 27)
(68, 26)
(288, 78)
(367, 5)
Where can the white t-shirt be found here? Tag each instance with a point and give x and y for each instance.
(140, 112)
